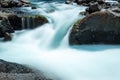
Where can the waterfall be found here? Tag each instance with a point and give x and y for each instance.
(46, 48)
(28, 23)
(23, 22)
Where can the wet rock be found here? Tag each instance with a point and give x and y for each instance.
(15, 21)
(9, 67)
(22, 20)
(118, 0)
(10, 3)
(26, 3)
(13, 3)
(33, 7)
(40, 20)
(112, 3)
(67, 2)
(97, 28)
(14, 71)
(33, 21)
(80, 2)
(93, 8)
(7, 36)
(5, 26)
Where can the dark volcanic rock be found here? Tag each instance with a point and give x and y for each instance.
(97, 28)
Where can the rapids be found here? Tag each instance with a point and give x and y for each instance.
(46, 48)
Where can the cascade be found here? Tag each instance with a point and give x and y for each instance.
(28, 23)
(23, 22)
(45, 48)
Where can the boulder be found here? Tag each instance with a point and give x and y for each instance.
(118, 0)
(10, 22)
(97, 28)
(9, 67)
(5, 26)
(93, 8)
(39, 20)
(32, 21)
(14, 71)
(7, 36)
(67, 2)
(15, 21)
(19, 20)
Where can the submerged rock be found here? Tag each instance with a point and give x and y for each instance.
(97, 28)
(14, 71)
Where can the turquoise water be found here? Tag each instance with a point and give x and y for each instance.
(46, 48)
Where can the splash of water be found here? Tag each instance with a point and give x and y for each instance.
(46, 48)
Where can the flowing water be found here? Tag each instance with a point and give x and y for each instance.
(46, 48)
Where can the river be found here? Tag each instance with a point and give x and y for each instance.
(46, 48)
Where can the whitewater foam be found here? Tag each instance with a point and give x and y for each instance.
(46, 48)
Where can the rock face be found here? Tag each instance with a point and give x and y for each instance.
(14, 71)
(97, 28)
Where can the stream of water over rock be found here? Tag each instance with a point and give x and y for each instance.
(46, 48)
